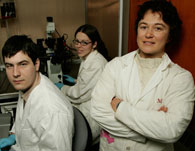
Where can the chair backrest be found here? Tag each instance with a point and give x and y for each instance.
(82, 138)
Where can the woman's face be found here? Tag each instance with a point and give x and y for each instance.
(83, 45)
(152, 35)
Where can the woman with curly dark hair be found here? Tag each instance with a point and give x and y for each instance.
(143, 101)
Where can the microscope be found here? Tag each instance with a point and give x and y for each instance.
(57, 58)
(50, 41)
(54, 71)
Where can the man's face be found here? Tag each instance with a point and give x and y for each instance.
(21, 71)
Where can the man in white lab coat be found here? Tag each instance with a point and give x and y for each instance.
(143, 101)
(44, 118)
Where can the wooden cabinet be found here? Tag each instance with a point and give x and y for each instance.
(185, 55)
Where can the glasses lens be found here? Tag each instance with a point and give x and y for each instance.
(76, 42)
(83, 43)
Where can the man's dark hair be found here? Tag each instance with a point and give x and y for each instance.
(169, 15)
(19, 43)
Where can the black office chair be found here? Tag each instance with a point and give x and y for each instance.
(82, 138)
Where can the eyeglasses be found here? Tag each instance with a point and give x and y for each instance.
(83, 43)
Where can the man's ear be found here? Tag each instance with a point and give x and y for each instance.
(37, 64)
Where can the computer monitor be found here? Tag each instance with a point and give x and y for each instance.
(5, 124)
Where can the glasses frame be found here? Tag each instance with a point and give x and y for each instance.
(82, 43)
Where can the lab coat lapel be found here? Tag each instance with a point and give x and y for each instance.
(158, 75)
(86, 63)
(21, 114)
(126, 73)
(130, 88)
(135, 87)
(20, 108)
(81, 67)
(26, 110)
(154, 81)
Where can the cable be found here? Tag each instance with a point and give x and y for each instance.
(57, 32)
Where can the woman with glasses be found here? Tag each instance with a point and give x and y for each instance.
(93, 53)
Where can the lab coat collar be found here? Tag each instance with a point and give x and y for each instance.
(27, 93)
(166, 61)
(157, 78)
(127, 59)
(23, 112)
(89, 58)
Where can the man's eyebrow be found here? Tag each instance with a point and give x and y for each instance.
(23, 61)
(7, 63)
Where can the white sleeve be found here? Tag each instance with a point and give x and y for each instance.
(101, 109)
(15, 148)
(81, 91)
(55, 132)
(164, 127)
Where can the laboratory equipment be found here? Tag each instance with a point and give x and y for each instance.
(5, 85)
(50, 41)
(8, 103)
(5, 124)
(57, 58)
(8, 10)
(54, 71)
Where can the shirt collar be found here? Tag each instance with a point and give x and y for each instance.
(25, 95)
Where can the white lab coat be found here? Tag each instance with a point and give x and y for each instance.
(46, 121)
(80, 94)
(137, 125)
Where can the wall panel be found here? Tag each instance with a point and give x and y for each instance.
(31, 18)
